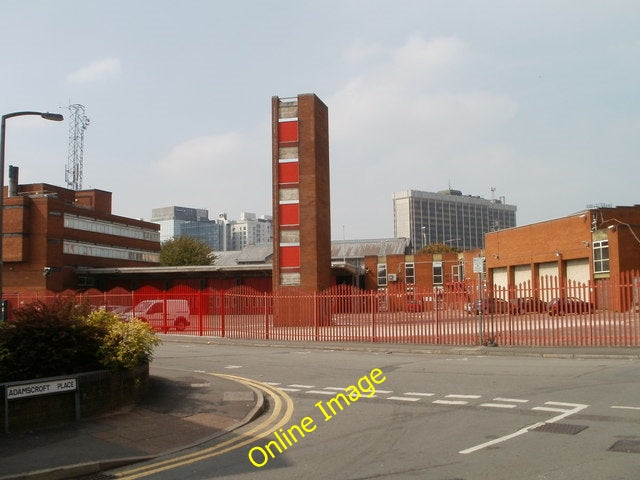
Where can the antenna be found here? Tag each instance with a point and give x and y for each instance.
(77, 125)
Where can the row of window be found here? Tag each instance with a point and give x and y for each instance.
(92, 250)
(600, 265)
(410, 275)
(118, 229)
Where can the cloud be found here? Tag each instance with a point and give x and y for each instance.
(413, 117)
(96, 71)
(412, 99)
(203, 154)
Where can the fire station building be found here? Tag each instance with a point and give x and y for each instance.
(595, 245)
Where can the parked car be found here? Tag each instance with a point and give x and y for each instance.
(490, 305)
(560, 306)
(152, 312)
(529, 304)
(414, 305)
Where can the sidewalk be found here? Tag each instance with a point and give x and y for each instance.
(182, 409)
(622, 353)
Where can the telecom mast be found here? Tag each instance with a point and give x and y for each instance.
(78, 123)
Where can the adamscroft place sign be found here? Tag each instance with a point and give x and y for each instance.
(16, 391)
(41, 388)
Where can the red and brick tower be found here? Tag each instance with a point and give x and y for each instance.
(301, 206)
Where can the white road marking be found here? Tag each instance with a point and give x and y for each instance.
(321, 392)
(420, 394)
(273, 384)
(233, 366)
(403, 399)
(337, 389)
(548, 409)
(625, 408)
(450, 402)
(576, 408)
(289, 389)
(498, 405)
(294, 385)
(384, 391)
(463, 396)
(510, 400)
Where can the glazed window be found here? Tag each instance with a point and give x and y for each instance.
(601, 256)
(382, 274)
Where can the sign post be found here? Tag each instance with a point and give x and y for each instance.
(24, 389)
(478, 267)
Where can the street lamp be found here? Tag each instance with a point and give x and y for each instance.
(56, 117)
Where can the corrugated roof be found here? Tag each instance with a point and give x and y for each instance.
(361, 248)
(256, 254)
(227, 259)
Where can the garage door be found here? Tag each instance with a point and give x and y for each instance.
(522, 279)
(578, 270)
(500, 279)
(578, 278)
(548, 275)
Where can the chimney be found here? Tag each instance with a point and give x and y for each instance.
(13, 181)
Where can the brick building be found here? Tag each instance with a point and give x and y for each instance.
(425, 271)
(50, 231)
(592, 246)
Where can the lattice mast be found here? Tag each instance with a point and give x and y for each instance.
(78, 123)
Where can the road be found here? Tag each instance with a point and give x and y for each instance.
(432, 416)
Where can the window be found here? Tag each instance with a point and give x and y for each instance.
(601, 256)
(455, 273)
(77, 248)
(109, 228)
(437, 273)
(382, 274)
(409, 273)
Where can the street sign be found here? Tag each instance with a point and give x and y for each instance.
(42, 388)
(478, 264)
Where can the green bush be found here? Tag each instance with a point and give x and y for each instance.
(125, 344)
(67, 338)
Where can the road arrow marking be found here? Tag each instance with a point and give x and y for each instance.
(576, 407)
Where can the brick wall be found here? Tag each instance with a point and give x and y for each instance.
(98, 392)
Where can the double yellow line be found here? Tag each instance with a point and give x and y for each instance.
(281, 413)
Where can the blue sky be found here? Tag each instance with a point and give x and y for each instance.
(537, 99)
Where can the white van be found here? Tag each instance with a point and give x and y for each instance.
(152, 312)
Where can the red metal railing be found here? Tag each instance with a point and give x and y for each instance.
(397, 314)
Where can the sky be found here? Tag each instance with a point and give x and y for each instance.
(534, 101)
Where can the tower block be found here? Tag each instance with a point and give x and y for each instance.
(301, 194)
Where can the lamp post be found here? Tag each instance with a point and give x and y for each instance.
(56, 117)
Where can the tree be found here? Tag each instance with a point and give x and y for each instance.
(439, 248)
(185, 250)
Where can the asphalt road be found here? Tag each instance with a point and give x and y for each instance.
(432, 416)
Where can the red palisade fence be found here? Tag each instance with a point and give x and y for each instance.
(603, 313)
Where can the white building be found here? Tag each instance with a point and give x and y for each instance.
(220, 234)
(251, 230)
(172, 218)
(449, 217)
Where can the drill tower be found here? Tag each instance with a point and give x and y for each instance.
(78, 123)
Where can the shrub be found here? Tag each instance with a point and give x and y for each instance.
(125, 344)
(48, 340)
(66, 338)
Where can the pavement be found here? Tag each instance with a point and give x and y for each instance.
(184, 409)
(181, 410)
